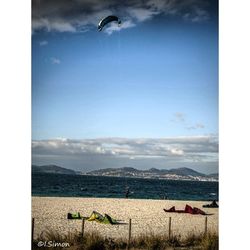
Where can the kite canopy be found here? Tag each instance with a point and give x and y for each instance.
(107, 20)
(188, 209)
(106, 219)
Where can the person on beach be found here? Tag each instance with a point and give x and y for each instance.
(127, 192)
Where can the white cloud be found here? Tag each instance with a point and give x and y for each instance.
(141, 14)
(114, 27)
(197, 15)
(196, 126)
(179, 117)
(176, 151)
(43, 43)
(61, 26)
(53, 25)
(55, 60)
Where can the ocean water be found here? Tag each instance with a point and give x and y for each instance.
(116, 187)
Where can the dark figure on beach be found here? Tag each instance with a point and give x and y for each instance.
(127, 192)
(213, 205)
(164, 197)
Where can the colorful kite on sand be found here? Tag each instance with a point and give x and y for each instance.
(95, 216)
(188, 209)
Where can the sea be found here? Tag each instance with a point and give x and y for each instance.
(61, 185)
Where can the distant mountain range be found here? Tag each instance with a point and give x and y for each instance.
(175, 174)
(152, 173)
(52, 169)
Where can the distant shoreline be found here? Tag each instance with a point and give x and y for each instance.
(152, 173)
(110, 198)
(128, 177)
(132, 177)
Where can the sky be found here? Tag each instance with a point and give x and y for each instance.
(143, 94)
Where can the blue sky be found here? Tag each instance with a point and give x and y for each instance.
(156, 76)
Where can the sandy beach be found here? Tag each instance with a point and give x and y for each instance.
(147, 216)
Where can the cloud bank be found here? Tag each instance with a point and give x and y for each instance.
(142, 153)
(83, 15)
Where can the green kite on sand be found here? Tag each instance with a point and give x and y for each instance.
(95, 216)
(75, 216)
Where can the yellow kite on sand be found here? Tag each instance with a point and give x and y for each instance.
(106, 219)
